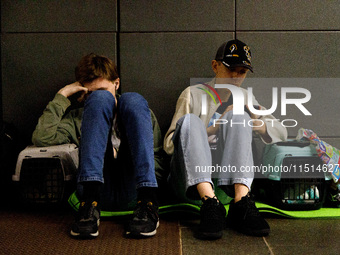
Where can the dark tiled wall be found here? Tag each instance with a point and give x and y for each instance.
(160, 45)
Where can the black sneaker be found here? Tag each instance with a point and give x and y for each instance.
(244, 217)
(145, 220)
(87, 221)
(212, 219)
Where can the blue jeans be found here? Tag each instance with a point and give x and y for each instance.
(134, 167)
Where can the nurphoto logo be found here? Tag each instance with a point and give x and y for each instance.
(238, 102)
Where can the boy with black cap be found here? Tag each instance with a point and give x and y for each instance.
(191, 136)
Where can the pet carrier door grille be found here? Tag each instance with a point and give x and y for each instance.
(42, 180)
(307, 188)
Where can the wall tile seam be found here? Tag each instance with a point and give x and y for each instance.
(170, 31)
(175, 31)
(60, 32)
(288, 31)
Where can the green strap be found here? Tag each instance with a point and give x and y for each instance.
(185, 207)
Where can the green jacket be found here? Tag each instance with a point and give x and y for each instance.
(57, 126)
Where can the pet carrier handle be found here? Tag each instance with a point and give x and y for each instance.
(294, 143)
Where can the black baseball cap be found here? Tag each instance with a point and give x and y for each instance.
(234, 53)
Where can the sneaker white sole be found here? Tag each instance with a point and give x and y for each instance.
(91, 234)
(148, 234)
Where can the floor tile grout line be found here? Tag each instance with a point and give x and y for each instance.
(180, 238)
(270, 249)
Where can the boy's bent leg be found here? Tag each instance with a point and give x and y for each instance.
(235, 150)
(135, 117)
(190, 175)
(243, 216)
(96, 124)
(191, 159)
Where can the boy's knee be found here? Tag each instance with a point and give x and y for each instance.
(132, 101)
(190, 122)
(190, 118)
(99, 102)
(102, 96)
(230, 116)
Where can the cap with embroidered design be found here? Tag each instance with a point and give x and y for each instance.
(234, 53)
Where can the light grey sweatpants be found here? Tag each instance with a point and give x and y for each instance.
(192, 157)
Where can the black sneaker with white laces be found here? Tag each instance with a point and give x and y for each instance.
(212, 219)
(87, 221)
(145, 220)
(245, 218)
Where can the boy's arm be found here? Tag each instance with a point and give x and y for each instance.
(269, 128)
(272, 131)
(54, 127)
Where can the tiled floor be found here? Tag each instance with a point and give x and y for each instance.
(288, 236)
(39, 231)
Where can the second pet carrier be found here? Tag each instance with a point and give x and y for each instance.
(296, 176)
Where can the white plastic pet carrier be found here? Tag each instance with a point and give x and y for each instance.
(43, 172)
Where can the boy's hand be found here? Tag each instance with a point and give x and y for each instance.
(212, 130)
(259, 126)
(73, 88)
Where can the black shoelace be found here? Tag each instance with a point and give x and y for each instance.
(143, 209)
(86, 212)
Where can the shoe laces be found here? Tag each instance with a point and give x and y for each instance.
(142, 209)
(87, 210)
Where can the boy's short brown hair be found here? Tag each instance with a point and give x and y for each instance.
(92, 66)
